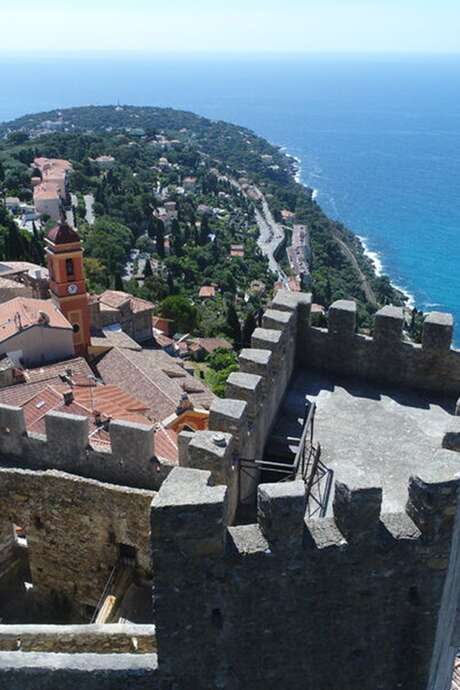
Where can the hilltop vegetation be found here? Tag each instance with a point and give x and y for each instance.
(192, 246)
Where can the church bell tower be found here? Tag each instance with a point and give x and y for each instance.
(67, 282)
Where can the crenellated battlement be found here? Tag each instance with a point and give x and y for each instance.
(386, 356)
(359, 577)
(129, 460)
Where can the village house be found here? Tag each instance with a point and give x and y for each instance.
(31, 277)
(52, 192)
(104, 162)
(134, 315)
(34, 331)
(207, 292)
(201, 347)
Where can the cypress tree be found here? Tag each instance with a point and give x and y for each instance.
(249, 326)
(118, 282)
(233, 324)
(148, 273)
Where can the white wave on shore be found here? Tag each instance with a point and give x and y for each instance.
(380, 270)
(373, 256)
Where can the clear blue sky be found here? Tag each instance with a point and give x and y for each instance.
(242, 26)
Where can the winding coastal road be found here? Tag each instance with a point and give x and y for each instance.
(367, 289)
(270, 238)
(271, 233)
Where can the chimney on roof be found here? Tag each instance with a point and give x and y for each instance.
(184, 404)
(43, 318)
(68, 397)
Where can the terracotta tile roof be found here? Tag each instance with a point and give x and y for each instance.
(115, 339)
(237, 250)
(79, 367)
(47, 165)
(9, 284)
(18, 394)
(211, 344)
(37, 379)
(62, 233)
(44, 401)
(155, 377)
(116, 299)
(47, 190)
(110, 401)
(207, 291)
(162, 340)
(12, 267)
(21, 313)
(166, 445)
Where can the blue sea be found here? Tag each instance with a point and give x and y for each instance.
(377, 137)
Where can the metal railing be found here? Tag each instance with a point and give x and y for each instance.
(306, 465)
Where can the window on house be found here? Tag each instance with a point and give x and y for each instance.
(69, 267)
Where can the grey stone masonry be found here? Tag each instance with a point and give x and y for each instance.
(386, 357)
(261, 613)
(130, 461)
(389, 324)
(213, 451)
(35, 671)
(357, 509)
(342, 318)
(437, 332)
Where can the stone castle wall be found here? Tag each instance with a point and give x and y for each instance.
(66, 447)
(300, 604)
(432, 366)
(74, 527)
(79, 639)
(365, 599)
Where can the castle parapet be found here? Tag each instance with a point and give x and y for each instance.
(433, 496)
(342, 318)
(281, 513)
(67, 435)
(388, 326)
(437, 332)
(357, 507)
(67, 446)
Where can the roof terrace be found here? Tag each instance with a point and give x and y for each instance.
(366, 431)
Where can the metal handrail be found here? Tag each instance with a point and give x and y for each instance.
(105, 591)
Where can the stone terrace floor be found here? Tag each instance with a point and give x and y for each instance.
(383, 434)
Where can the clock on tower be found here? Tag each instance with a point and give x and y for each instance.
(67, 281)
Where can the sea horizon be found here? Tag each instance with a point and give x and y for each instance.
(376, 136)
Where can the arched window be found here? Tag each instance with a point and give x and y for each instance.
(69, 267)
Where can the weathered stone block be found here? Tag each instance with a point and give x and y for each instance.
(285, 300)
(132, 442)
(281, 513)
(389, 324)
(244, 387)
(67, 432)
(255, 361)
(357, 508)
(212, 451)
(342, 318)
(187, 516)
(433, 496)
(266, 339)
(230, 416)
(12, 420)
(276, 320)
(183, 440)
(437, 332)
